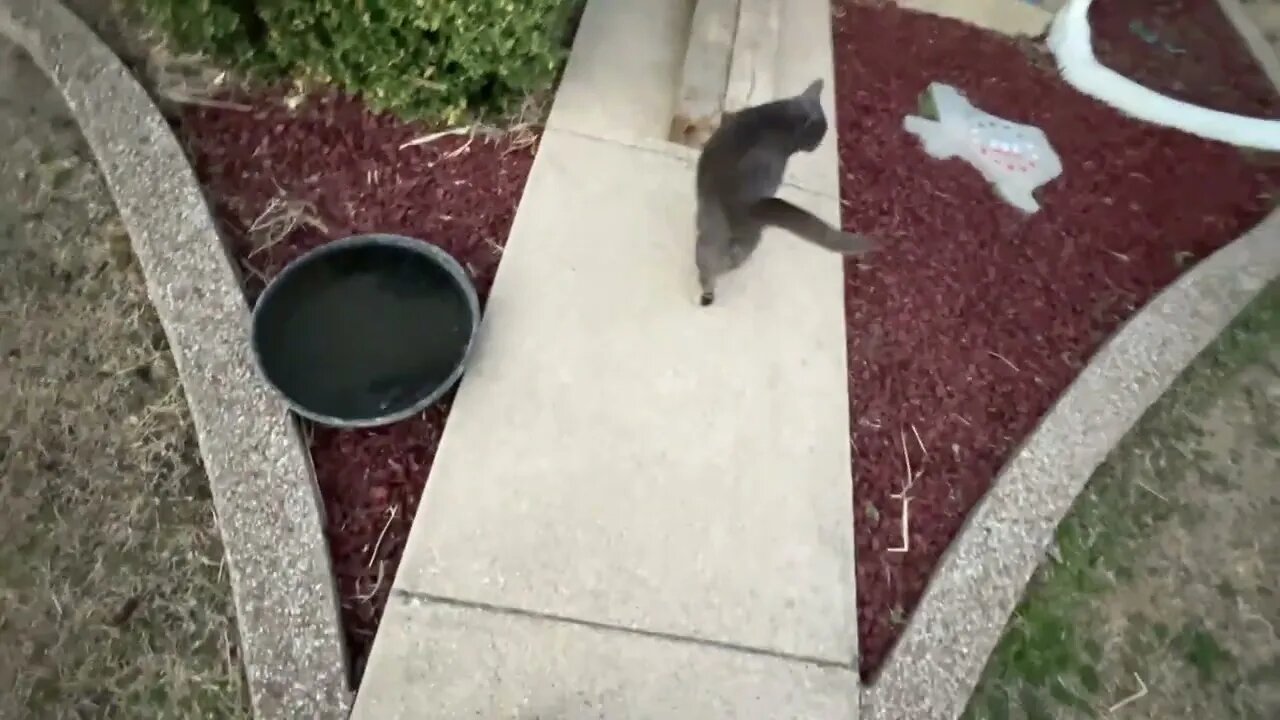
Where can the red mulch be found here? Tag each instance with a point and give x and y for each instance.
(1191, 52)
(976, 318)
(348, 164)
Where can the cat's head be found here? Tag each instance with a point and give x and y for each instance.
(812, 120)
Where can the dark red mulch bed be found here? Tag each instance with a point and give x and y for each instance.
(976, 318)
(348, 165)
(1183, 49)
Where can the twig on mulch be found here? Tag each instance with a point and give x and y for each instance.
(432, 137)
(906, 488)
(254, 271)
(280, 218)
(493, 244)
(906, 522)
(460, 149)
(924, 454)
(1142, 692)
(469, 130)
(1004, 359)
(382, 535)
(521, 135)
(185, 99)
(377, 585)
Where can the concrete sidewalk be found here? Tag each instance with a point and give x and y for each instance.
(640, 508)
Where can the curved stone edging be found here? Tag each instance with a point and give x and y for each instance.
(932, 671)
(1070, 40)
(265, 497)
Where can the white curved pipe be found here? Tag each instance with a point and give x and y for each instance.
(1072, 46)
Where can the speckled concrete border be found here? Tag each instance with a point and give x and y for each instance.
(267, 505)
(933, 670)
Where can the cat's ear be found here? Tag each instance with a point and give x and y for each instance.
(814, 91)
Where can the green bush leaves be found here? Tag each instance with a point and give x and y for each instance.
(444, 60)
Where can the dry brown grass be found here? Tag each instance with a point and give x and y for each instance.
(1158, 597)
(114, 600)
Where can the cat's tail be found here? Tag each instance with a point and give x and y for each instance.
(780, 213)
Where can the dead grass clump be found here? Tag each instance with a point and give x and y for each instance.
(114, 599)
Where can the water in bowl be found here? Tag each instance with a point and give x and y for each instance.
(365, 332)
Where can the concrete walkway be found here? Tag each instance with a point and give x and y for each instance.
(641, 508)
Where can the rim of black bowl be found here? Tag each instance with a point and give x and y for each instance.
(444, 259)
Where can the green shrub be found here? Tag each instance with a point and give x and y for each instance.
(439, 59)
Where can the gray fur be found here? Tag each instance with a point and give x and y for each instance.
(739, 172)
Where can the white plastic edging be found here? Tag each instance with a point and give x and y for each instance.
(1071, 43)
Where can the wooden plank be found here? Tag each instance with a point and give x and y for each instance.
(705, 76)
(755, 54)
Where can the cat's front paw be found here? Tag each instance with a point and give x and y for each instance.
(706, 299)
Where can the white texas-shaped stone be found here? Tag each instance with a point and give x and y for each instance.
(1015, 158)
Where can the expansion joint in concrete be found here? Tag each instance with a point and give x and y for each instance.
(411, 596)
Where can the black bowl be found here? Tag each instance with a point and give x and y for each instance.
(365, 331)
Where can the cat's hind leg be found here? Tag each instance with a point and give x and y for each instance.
(708, 295)
(711, 256)
(715, 257)
(719, 253)
(742, 244)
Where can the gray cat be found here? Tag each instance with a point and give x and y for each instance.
(739, 171)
